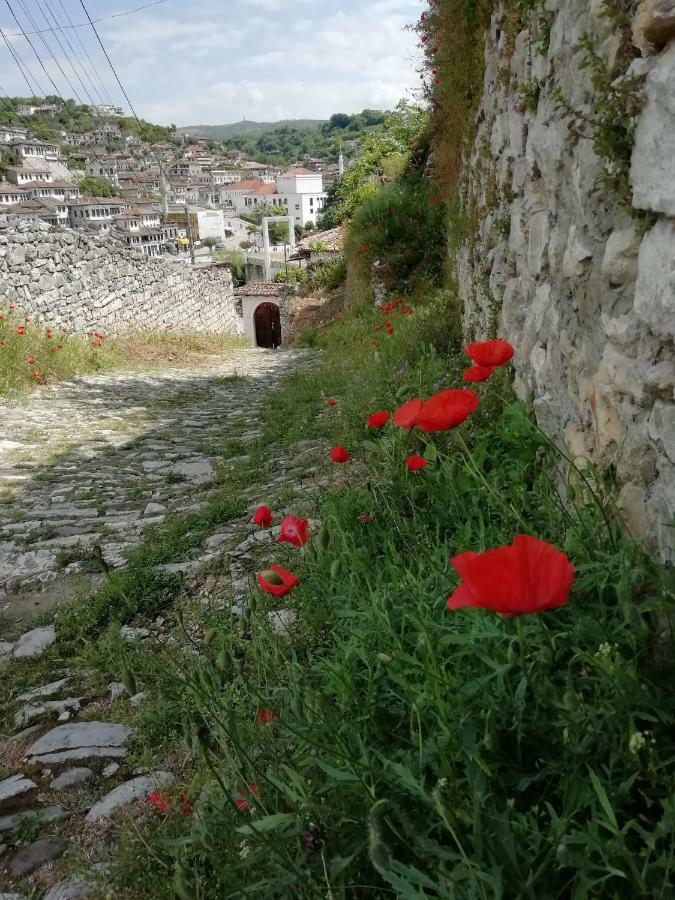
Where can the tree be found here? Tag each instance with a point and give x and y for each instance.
(97, 187)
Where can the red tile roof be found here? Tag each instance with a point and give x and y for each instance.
(259, 289)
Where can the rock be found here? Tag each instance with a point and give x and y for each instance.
(196, 472)
(133, 634)
(655, 288)
(619, 263)
(70, 890)
(137, 789)
(661, 428)
(35, 642)
(81, 740)
(281, 621)
(116, 690)
(30, 858)
(43, 814)
(33, 711)
(71, 778)
(154, 509)
(46, 690)
(576, 255)
(110, 770)
(654, 25)
(15, 788)
(5, 650)
(138, 698)
(653, 162)
(12, 897)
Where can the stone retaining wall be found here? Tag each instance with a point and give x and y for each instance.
(581, 285)
(84, 281)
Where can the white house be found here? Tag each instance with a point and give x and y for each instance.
(44, 210)
(61, 191)
(129, 228)
(25, 109)
(22, 174)
(25, 149)
(11, 133)
(11, 194)
(96, 212)
(108, 109)
(244, 196)
(302, 194)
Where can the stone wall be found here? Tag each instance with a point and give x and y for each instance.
(82, 281)
(580, 283)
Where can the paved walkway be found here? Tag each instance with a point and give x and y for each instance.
(97, 460)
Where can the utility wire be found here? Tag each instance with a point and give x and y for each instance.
(44, 69)
(8, 102)
(128, 12)
(86, 53)
(21, 65)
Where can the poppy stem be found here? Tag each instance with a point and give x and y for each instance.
(521, 638)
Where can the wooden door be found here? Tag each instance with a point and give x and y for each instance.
(267, 326)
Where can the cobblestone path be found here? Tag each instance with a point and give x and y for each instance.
(97, 460)
(91, 464)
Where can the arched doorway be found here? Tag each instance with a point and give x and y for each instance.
(267, 326)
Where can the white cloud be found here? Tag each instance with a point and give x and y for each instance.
(264, 59)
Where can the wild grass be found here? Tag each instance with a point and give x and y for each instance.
(416, 752)
(33, 354)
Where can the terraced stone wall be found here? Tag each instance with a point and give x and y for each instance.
(571, 257)
(84, 282)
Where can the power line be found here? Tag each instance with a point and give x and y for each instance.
(129, 12)
(21, 64)
(86, 53)
(126, 96)
(8, 102)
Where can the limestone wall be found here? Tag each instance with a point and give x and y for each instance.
(83, 282)
(580, 283)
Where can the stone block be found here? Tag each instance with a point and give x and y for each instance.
(653, 162)
(620, 262)
(655, 288)
(654, 25)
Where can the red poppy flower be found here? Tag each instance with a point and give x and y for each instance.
(37, 374)
(48, 332)
(389, 328)
(101, 337)
(375, 344)
(52, 349)
(262, 517)
(265, 717)
(416, 463)
(162, 803)
(339, 455)
(407, 415)
(378, 419)
(294, 531)
(364, 518)
(277, 581)
(30, 361)
(21, 330)
(186, 810)
(490, 353)
(447, 410)
(241, 803)
(331, 402)
(478, 373)
(529, 576)
(59, 346)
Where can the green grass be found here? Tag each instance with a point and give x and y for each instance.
(420, 753)
(42, 355)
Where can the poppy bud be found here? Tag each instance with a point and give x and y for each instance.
(223, 661)
(271, 577)
(384, 657)
(209, 635)
(323, 537)
(335, 568)
(402, 391)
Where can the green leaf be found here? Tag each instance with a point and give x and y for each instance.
(604, 800)
(274, 822)
(431, 453)
(336, 774)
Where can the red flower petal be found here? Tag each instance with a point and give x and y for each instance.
(416, 463)
(378, 419)
(331, 402)
(288, 582)
(490, 353)
(262, 517)
(529, 576)
(407, 415)
(339, 454)
(265, 717)
(478, 373)
(294, 531)
(447, 410)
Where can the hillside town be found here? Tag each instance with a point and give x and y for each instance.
(160, 198)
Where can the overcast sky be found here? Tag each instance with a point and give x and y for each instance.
(194, 62)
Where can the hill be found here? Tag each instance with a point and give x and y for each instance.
(254, 129)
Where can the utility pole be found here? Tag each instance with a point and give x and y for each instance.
(188, 228)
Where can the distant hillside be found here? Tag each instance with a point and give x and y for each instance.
(220, 132)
